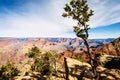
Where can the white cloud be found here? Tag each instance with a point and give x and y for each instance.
(105, 14)
(47, 21)
(32, 26)
(37, 22)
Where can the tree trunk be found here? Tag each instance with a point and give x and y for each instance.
(66, 69)
(90, 57)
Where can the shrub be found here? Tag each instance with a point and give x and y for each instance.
(8, 71)
(33, 52)
(79, 58)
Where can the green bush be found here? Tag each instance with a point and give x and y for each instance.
(37, 66)
(79, 58)
(8, 71)
(47, 70)
(43, 63)
(33, 52)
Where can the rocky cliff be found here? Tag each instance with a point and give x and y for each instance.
(15, 48)
(113, 48)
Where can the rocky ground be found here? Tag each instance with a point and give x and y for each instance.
(75, 69)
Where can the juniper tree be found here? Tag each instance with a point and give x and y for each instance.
(34, 52)
(79, 11)
(43, 63)
(47, 60)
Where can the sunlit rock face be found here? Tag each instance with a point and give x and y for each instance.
(108, 61)
(112, 48)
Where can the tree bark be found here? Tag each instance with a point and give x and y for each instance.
(90, 57)
(66, 69)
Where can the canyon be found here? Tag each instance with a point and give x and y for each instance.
(15, 48)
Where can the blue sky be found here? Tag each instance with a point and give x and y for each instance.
(42, 18)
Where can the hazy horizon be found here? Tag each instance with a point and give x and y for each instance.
(48, 37)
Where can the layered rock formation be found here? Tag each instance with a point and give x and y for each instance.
(15, 48)
(112, 48)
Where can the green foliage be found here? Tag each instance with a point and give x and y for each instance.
(43, 67)
(8, 71)
(79, 58)
(37, 66)
(78, 10)
(33, 52)
(42, 63)
(47, 57)
(47, 70)
(47, 61)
